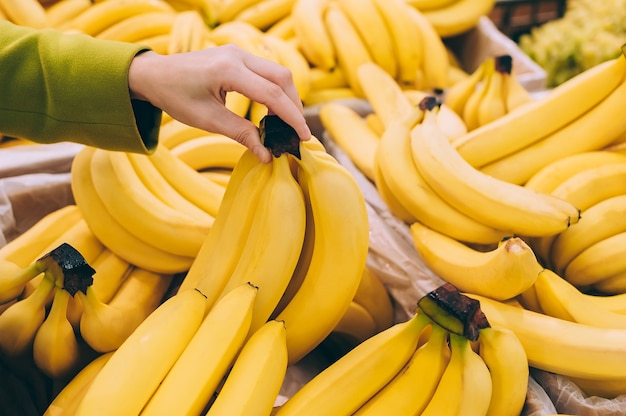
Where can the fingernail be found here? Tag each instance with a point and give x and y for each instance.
(262, 153)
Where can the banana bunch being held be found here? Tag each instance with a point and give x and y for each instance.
(434, 363)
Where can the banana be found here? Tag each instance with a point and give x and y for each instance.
(407, 39)
(321, 78)
(409, 187)
(277, 228)
(65, 11)
(393, 204)
(472, 105)
(355, 326)
(501, 273)
(105, 326)
(55, 346)
(374, 122)
(435, 65)
(411, 389)
(555, 173)
(127, 381)
(284, 29)
(211, 151)
(598, 222)
(226, 10)
(545, 116)
(252, 385)
(600, 126)
(324, 95)
(341, 232)
(257, 112)
(459, 16)
(360, 373)
(465, 386)
(372, 294)
(139, 210)
(156, 183)
(372, 29)
(266, 13)
(64, 403)
(173, 133)
(13, 279)
(111, 271)
(194, 378)
(141, 26)
(289, 56)
(312, 34)
(506, 360)
(492, 106)
(350, 49)
(457, 94)
(105, 14)
(515, 94)
(221, 249)
(351, 132)
(109, 231)
(25, 248)
(21, 320)
(450, 122)
(189, 32)
(561, 299)
(498, 203)
(429, 4)
(158, 43)
(612, 285)
(25, 13)
(599, 261)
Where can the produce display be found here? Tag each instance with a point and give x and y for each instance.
(196, 279)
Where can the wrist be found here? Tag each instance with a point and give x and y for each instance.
(139, 75)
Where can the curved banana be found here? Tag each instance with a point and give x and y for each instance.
(13, 279)
(341, 234)
(450, 122)
(612, 285)
(374, 297)
(411, 389)
(211, 151)
(459, 16)
(465, 385)
(456, 95)
(372, 28)
(254, 381)
(110, 232)
(312, 34)
(506, 359)
(130, 377)
(62, 12)
(226, 10)
(139, 210)
(494, 202)
(492, 105)
(600, 126)
(193, 379)
(351, 132)
(189, 32)
(501, 273)
(265, 14)
(393, 204)
(111, 271)
(356, 325)
(472, 104)
(290, 57)
(141, 26)
(519, 129)
(273, 242)
(358, 374)
(55, 347)
(323, 78)
(173, 133)
(548, 178)
(29, 13)
(598, 222)
(598, 262)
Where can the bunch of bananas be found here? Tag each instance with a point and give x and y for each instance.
(453, 17)
(431, 364)
(490, 92)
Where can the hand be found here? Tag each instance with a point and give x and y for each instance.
(191, 87)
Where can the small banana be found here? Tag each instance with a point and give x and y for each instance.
(459, 16)
(29, 13)
(312, 34)
(599, 261)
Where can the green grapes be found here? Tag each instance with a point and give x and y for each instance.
(589, 33)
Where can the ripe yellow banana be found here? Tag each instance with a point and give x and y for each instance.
(598, 262)
(110, 232)
(456, 95)
(372, 29)
(341, 232)
(393, 204)
(139, 210)
(372, 294)
(406, 37)
(189, 32)
(21, 320)
(429, 4)
(544, 116)
(226, 10)
(13, 279)
(351, 132)
(284, 29)
(599, 126)
(266, 13)
(312, 34)
(209, 151)
(492, 106)
(506, 359)
(350, 49)
(459, 16)
(472, 104)
(615, 284)
(173, 133)
(356, 325)
(105, 326)
(194, 378)
(25, 13)
(55, 347)
(222, 248)
(465, 385)
(494, 202)
(360, 373)
(501, 273)
(111, 271)
(598, 222)
(105, 14)
(64, 403)
(411, 389)
(130, 377)
(62, 12)
(254, 381)
(289, 56)
(409, 187)
(274, 241)
(515, 94)
(450, 122)
(141, 26)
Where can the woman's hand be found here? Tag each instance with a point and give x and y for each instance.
(192, 87)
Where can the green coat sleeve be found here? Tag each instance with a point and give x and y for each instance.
(58, 87)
